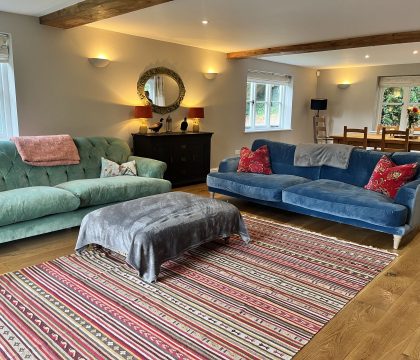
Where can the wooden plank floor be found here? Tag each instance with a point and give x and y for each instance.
(381, 322)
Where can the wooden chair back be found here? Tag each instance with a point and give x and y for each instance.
(379, 127)
(395, 140)
(320, 130)
(356, 141)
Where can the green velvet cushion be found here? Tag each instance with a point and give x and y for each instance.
(34, 202)
(114, 189)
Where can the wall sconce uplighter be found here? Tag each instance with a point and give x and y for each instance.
(99, 62)
(210, 75)
(343, 86)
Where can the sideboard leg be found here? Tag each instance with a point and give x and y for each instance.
(397, 240)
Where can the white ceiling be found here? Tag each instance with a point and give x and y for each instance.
(34, 7)
(248, 24)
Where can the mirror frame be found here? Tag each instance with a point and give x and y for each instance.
(141, 83)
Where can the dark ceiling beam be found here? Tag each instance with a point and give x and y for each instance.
(89, 11)
(339, 44)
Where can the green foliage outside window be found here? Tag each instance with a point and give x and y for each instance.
(392, 106)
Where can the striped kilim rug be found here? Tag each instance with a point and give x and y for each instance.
(261, 301)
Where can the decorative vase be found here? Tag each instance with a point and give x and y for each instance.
(411, 129)
(169, 124)
(184, 125)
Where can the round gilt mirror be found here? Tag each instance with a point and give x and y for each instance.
(162, 88)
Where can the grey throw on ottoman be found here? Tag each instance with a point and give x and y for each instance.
(154, 229)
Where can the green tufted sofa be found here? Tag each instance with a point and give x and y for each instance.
(37, 200)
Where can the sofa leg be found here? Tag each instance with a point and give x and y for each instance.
(212, 194)
(397, 240)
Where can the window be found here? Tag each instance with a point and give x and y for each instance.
(268, 102)
(8, 113)
(396, 95)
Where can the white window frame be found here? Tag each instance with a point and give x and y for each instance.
(285, 84)
(406, 83)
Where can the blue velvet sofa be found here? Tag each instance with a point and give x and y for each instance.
(325, 192)
(37, 200)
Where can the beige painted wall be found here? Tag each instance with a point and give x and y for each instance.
(58, 91)
(357, 105)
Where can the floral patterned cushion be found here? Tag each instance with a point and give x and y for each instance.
(257, 161)
(110, 168)
(387, 177)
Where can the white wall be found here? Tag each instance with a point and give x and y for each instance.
(357, 105)
(58, 91)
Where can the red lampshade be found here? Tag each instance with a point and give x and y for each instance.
(196, 112)
(144, 111)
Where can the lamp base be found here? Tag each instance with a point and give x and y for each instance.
(196, 127)
(143, 129)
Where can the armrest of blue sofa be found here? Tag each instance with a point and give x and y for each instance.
(229, 165)
(409, 195)
(149, 167)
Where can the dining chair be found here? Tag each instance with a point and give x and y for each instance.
(395, 140)
(356, 141)
(320, 130)
(379, 127)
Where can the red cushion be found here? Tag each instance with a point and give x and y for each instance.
(257, 161)
(387, 177)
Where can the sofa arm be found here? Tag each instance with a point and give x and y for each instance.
(409, 195)
(149, 167)
(229, 165)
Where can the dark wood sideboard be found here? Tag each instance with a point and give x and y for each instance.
(186, 154)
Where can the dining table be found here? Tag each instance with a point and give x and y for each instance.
(374, 140)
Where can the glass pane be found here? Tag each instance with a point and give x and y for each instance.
(260, 92)
(415, 94)
(391, 114)
(275, 114)
(248, 91)
(275, 93)
(393, 95)
(260, 114)
(247, 114)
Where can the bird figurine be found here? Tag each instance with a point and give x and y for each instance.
(156, 126)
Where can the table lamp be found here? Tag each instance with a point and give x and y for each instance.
(196, 113)
(143, 112)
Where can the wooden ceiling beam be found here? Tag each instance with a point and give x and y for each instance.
(349, 43)
(89, 11)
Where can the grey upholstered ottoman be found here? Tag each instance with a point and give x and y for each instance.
(154, 229)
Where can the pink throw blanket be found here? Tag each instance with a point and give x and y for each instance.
(50, 150)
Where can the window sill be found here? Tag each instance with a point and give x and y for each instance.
(265, 130)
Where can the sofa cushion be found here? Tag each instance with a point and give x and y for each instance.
(361, 164)
(110, 168)
(282, 157)
(345, 200)
(256, 186)
(257, 161)
(387, 178)
(114, 189)
(34, 202)
(401, 158)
